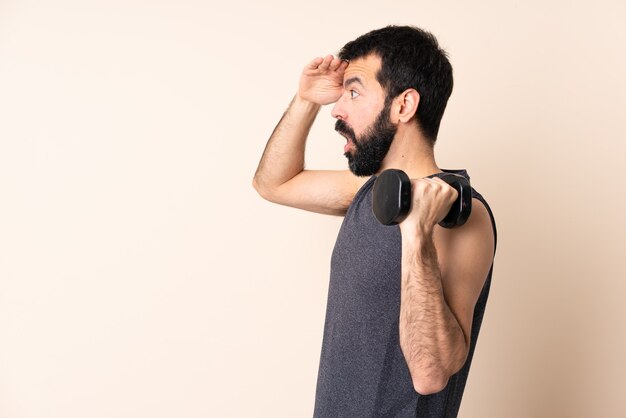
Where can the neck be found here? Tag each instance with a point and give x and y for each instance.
(412, 153)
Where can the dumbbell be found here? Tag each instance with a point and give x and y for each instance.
(391, 198)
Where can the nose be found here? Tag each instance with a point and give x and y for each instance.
(338, 111)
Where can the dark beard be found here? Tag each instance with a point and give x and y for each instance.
(373, 145)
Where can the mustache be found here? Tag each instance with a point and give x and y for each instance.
(344, 128)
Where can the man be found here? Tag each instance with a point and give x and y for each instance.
(405, 302)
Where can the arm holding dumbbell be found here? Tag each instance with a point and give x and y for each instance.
(439, 287)
(280, 176)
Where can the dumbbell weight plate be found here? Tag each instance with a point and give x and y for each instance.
(391, 198)
(462, 206)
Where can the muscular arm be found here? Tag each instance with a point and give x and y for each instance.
(431, 337)
(441, 280)
(283, 157)
(280, 176)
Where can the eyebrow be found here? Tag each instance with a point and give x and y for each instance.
(353, 80)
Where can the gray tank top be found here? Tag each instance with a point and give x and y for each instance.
(362, 371)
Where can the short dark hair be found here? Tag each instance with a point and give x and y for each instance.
(411, 58)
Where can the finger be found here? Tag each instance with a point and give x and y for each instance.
(428, 180)
(440, 184)
(451, 191)
(430, 185)
(326, 63)
(334, 64)
(437, 180)
(314, 64)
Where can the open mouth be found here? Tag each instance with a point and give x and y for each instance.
(349, 143)
(345, 135)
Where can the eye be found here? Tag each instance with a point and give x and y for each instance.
(353, 94)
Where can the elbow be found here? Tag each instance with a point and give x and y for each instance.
(269, 191)
(256, 185)
(262, 190)
(430, 385)
(433, 379)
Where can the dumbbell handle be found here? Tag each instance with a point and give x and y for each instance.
(391, 198)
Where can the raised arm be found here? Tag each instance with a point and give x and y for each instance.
(280, 176)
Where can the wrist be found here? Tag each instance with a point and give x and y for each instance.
(305, 104)
(415, 233)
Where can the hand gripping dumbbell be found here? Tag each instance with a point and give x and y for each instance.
(391, 198)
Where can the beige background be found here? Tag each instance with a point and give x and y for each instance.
(141, 276)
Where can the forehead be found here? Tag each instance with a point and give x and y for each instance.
(365, 68)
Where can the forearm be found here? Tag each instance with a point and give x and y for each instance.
(431, 338)
(283, 157)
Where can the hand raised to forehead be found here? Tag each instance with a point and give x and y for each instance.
(321, 81)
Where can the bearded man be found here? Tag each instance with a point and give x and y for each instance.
(405, 302)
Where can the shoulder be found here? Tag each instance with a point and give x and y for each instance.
(476, 234)
(466, 253)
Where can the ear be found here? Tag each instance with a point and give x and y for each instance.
(406, 105)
